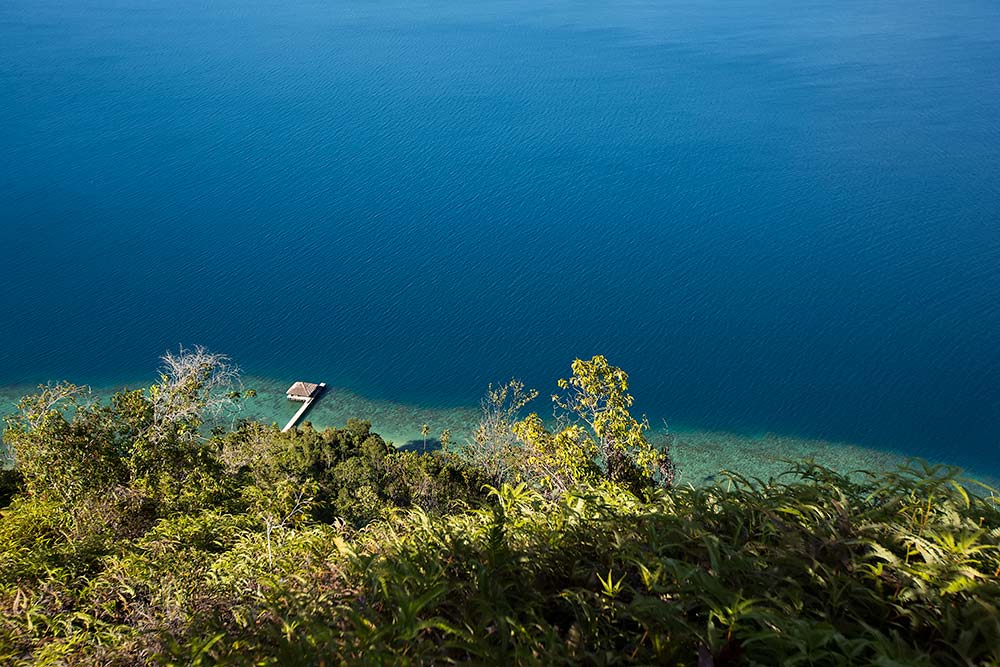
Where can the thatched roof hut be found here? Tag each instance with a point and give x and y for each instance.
(302, 391)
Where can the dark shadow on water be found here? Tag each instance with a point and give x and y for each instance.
(419, 447)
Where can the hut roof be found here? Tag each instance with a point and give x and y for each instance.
(302, 390)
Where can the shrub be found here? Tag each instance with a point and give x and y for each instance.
(596, 438)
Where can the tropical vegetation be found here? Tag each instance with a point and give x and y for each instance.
(161, 527)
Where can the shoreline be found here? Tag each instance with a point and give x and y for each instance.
(700, 453)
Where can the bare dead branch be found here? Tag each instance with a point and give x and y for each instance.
(196, 386)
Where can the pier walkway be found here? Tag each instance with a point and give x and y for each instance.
(307, 393)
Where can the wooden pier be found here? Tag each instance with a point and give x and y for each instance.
(306, 393)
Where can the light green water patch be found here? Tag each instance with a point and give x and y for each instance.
(397, 423)
(700, 454)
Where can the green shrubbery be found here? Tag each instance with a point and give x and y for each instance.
(157, 529)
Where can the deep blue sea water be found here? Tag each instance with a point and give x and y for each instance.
(778, 215)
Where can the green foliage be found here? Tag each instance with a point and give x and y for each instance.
(257, 547)
(65, 444)
(815, 568)
(127, 524)
(356, 475)
(597, 436)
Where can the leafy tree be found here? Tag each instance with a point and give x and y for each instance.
(357, 475)
(66, 444)
(596, 436)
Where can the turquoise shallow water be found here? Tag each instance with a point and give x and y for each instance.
(700, 454)
(779, 216)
